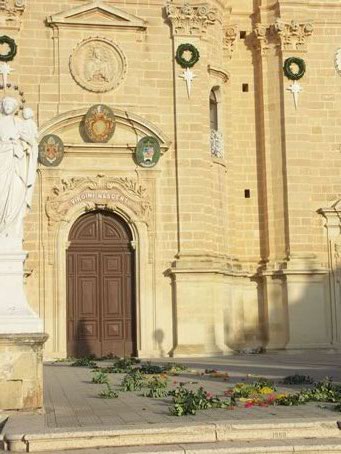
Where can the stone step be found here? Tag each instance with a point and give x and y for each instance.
(296, 446)
(277, 433)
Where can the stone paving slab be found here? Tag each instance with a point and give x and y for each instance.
(72, 402)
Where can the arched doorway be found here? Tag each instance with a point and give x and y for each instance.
(100, 287)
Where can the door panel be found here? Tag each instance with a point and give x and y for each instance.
(100, 277)
(112, 297)
(112, 264)
(87, 297)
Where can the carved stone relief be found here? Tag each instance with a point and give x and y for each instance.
(261, 32)
(191, 19)
(230, 39)
(10, 14)
(98, 65)
(97, 192)
(290, 36)
(293, 35)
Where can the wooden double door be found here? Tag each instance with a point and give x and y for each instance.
(100, 287)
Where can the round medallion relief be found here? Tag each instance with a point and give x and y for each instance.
(98, 65)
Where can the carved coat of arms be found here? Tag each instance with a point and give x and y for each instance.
(99, 123)
(51, 150)
(147, 152)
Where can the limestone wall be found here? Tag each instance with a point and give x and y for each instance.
(216, 270)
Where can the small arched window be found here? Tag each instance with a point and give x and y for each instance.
(213, 110)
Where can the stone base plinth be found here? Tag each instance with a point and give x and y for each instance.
(183, 351)
(21, 371)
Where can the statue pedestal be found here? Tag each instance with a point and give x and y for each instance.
(15, 314)
(21, 371)
(21, 330)
(21, 337)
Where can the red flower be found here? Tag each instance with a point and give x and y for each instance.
(249, 404)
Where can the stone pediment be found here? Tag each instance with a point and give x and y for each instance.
(96, 14)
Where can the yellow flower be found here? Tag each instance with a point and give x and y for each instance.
(266, 390)
(280, 396)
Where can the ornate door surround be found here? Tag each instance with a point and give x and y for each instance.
(67, 201)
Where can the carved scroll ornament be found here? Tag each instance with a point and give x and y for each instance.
(95, 192)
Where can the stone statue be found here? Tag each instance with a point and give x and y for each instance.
(18, 163)
(31, 133)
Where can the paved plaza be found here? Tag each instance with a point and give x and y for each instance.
(72, 402)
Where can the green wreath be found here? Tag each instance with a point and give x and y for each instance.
(183, 62)
(289, 72)
(12, 48)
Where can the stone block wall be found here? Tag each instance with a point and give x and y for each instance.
(254, 270)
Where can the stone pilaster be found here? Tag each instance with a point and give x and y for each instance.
(332, 216)
(190, 283)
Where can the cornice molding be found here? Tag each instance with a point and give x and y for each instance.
(219, 73)
(96, 14)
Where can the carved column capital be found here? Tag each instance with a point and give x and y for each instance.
(191, 20)
(10, 14)
(230, 39)
(293, 35)
(261, 32)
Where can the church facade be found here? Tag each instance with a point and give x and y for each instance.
(188, 193)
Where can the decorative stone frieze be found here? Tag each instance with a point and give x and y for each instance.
(191, 19)
(261, 32)
(10, 14)
(94, 192)
(230, 39)
(217, 144)
(293, 35)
